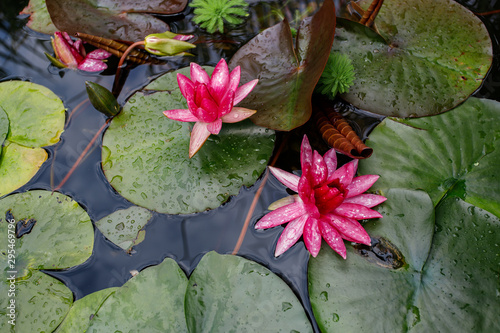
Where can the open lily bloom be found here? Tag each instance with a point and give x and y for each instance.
(72, 54)
(328, 204)
(211, 101)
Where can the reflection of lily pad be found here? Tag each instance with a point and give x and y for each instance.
(125, 227)
(453, 154)
(227, 293)
(56, 233)
(145, 154)
(437, 275)
(437, 54)
(35, 119)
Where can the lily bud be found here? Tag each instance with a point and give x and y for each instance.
(167, 44)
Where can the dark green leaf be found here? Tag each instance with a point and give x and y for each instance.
(102, 99)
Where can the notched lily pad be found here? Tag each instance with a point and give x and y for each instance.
(287, 74)
(125, 227)
(122, 20)
(145, 155)
(31, 117)
(431, 55)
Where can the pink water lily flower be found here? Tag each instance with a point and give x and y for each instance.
(211, 101)
(328, 204)
(72, 54)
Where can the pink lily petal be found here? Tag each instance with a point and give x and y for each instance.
(319, 171)
(305, 190)
(345, 173)
(183, 37)
(367, 200)
(312, 236)
(286, 178)
(180, 115)
(215, 126)
(198, 74)
(199, 135)
(361, 184)
(290, 235)
(306, 156)
(226, 103)
(332, 238)
(330, 159)
(284, 201)
(186, 86)
(349, 229)
(281, 215)
(327, 199)
(92, 65)
(219, 80)
(210, 110)
(78, 45)
(244, 90)
(63, 51)
(234, 79)
(99, 54)
(357, 212)
(200, 93)
(237, 114)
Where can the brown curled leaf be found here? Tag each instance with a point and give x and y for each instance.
(337, 132)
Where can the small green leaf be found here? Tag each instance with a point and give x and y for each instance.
(102, 99)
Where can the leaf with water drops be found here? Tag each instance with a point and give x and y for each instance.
(452, 154)
(125, 227)
(35, 118)
(228, 293)
(429, 57)
(145, 155)
(427, 270)
(114, 19)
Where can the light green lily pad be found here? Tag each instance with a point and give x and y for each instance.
(125, 227)
(227, 293)
(4, 128)
(435, 275)
(145, 154)
(62, 237)
(152, 301)
(436, 54)
(39, 17)
(456, 154)
(83, 311)
(35, 119)
(41, 303)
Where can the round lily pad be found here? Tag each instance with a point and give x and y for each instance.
(452, 154)
(429, 57)
(228, 293)
(428, 270)
(145, 155)
(35, 119)
(125, 227)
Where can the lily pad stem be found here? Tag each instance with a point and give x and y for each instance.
(371, 13)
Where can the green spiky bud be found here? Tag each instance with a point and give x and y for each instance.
(338, 75)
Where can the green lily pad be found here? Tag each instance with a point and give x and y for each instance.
(287, 74)
(35, 118)
(62, 236)
(152, 301)
(83, 311)
(453, 154)
(145, 155)
(113, 19)
(424, 275)
(39, 17)
(4, 126)
(40, 303)
(435, 54)
(125, 227)
(228, 293)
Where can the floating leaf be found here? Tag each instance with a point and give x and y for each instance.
(102, 99)
(41, 302)
(4, 130)
(227, 293)
(431, 55)
(39, 17)
(287, 74)
(145, 155)
(35, 119)
(114, 19)
(453, 154)
(423, 275)
(123, 226)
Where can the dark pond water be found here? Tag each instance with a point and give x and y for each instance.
(184, 238)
